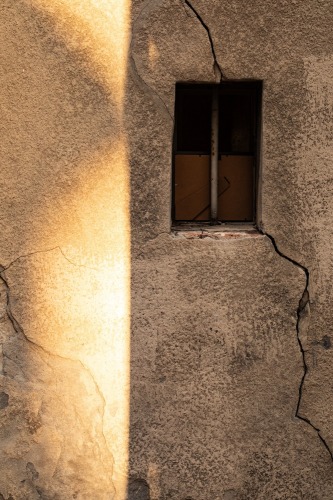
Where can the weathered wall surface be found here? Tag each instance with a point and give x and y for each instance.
(224, 389)
(217, 338)
(65, 249)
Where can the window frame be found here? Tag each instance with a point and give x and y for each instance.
(250, 87)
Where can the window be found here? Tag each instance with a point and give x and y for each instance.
(216, 152)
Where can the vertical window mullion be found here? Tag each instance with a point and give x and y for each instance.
(214, 150)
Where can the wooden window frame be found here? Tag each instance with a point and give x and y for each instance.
(248, 87)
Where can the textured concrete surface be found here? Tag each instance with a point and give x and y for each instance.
(223, 391)
(65, 249)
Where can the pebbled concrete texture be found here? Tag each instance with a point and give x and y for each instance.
(139, 362)
(221, 427)
(223, 376)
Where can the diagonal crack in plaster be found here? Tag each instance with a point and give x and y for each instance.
(19, 331)
(216, 66)
(304, 302)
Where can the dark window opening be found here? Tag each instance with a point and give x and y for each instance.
(216, 152)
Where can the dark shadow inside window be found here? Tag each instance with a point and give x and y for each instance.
(238, 124)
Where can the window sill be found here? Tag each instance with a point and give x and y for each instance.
(219, 232)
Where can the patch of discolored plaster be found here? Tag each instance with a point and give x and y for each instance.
(4, 398)
(138, 489)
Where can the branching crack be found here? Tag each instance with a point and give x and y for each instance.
(216, 65)
(16, 327)
(301, 311)
(25, 256)
(150, 89)
(20, 332)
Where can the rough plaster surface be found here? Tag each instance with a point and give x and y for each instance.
(229, 393)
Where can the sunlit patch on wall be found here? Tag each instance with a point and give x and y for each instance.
(74, 300)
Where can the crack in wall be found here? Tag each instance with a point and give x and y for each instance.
(216, 66)
(25, 256)
(303, 305)
(20, 332)
(4, 268)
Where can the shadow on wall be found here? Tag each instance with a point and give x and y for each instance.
(65, 248)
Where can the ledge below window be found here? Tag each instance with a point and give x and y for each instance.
(221, 231)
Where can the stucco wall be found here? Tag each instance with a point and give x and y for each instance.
(138, 362)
